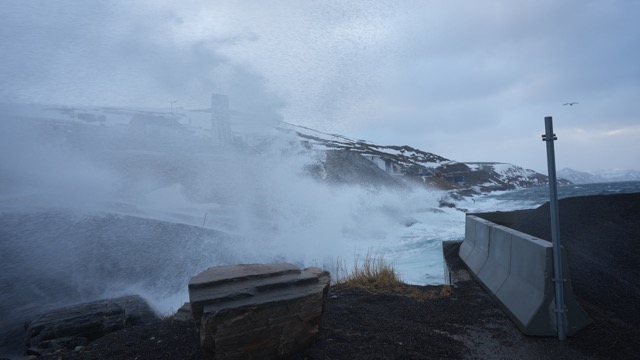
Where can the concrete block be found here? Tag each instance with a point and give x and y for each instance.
(469, 238)
(498, 265)
(480, 252)
(527, 292)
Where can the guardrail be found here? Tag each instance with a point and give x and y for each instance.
(517, 269)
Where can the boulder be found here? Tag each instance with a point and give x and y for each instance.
(77, 325)
(257, 311)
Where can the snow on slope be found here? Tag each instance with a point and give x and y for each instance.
(403, 155)
(505, 176)
(599, 176)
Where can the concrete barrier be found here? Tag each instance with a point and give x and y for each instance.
(528, 291)
(517, 269)
(505, 218)
(467, 246)
(497, 268)
(480, 252)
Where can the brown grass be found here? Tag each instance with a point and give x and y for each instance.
(374, 275)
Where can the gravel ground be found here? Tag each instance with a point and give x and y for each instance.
(460, 322)
(601, 235)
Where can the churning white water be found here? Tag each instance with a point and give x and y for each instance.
(90, 212)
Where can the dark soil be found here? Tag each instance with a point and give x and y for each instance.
(463, 321)
(459, 322)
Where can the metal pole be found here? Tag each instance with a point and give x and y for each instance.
(561, 318)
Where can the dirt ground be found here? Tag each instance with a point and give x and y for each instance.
(461, 322)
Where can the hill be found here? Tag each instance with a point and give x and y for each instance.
(599, 176)
(413, 166)
(155, 137)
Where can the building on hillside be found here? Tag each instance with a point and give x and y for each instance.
(419, 170)
(388, 165)
(454, 172)
(458, 179)
(377, 160)
(454, 177)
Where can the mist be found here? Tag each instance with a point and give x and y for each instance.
(91, 208)
(97, 200)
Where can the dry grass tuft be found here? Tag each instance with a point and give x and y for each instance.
(372, 274)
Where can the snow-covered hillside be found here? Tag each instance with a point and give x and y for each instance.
(503, 176)
(135, 130)
(403, 156)
(415, 166)
(599, 176)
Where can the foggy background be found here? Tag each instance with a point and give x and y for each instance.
(466, 80)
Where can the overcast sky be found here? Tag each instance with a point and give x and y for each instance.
(467, 80)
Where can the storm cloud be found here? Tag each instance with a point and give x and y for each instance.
(467, 80)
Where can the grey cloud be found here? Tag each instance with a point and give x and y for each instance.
(116, 53)
(405, 71)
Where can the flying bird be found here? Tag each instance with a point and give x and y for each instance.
(570, 103)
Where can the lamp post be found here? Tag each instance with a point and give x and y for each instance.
(558, 277)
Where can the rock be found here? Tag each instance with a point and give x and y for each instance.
(350, 167)
(184, 313)
(77, 325)
(257, 311)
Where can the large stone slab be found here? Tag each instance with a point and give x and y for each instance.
(257, 311)
(76, 325)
